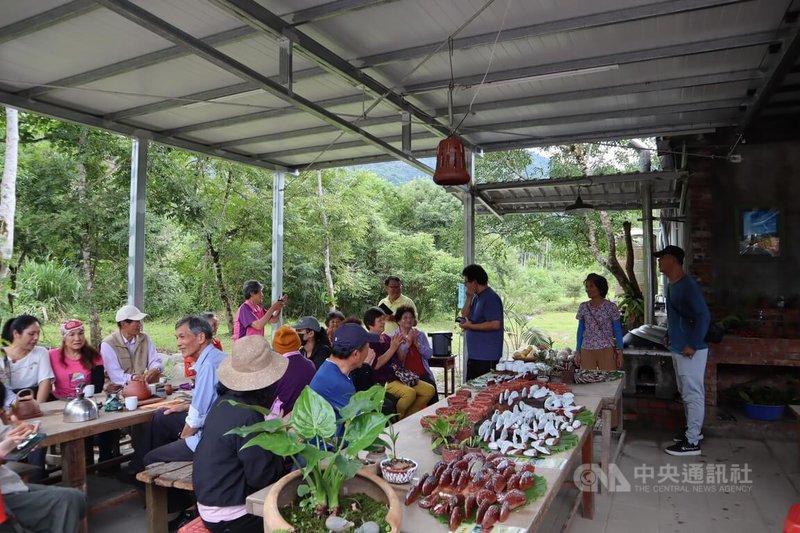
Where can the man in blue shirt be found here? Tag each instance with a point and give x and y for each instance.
(482, 322)
(687, 324)
(175, 431)
(349, 351)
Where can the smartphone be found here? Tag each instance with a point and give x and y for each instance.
(385, 308)
(26, 446)
(460, 319)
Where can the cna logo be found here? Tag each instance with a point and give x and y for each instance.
(590, 478)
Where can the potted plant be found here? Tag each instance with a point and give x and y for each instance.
(443, 430)
(325, 450)
(397, 470)
(763, 402)
(471, 444)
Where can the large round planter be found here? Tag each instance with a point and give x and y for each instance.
(284, 492)
(764, 412)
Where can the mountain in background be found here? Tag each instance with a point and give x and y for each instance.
(398, 173)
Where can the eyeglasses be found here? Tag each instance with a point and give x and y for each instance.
(394, 286)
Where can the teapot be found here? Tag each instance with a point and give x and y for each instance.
(137, 387)
(26, 406)
(80, 409)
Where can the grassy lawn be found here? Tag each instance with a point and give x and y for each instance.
(560, 325)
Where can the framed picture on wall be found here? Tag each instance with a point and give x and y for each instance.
(759, 234)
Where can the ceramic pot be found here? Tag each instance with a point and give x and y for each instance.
(26, 406)
(284, 492)
(398, 476)
(452, 454)
(137, 387)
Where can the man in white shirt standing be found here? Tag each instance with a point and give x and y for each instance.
(128, 351)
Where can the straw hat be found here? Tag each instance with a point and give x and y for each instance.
(252, 365)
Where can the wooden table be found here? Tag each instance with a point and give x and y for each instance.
(413, 442)
(610, 395)
(71, 436)
(446, 363)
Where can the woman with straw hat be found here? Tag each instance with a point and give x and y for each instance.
(224, 473)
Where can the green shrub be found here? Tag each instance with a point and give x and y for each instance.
(47, 288)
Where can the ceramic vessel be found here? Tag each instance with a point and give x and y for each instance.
(284, 492)
(137, 387)
(26, 406)
(398, 476)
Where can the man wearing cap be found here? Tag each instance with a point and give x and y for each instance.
(128, 351)
(687, 322)
(394, 300)
(350, 350)
(225, 471)
(299, 374)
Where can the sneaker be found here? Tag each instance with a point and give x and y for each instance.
(181, 520)
(682, 435)
(684, 448)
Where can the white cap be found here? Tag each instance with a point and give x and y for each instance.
(129, 312)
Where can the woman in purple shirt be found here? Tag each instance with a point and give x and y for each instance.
(251, 317)
(409, 399)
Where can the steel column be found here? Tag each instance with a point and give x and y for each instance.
(139, 151)
(647, 251)
(278, 188)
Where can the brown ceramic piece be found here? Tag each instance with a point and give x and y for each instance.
(137, 387)
(26, 406)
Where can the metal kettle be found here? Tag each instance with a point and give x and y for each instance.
(80, 409)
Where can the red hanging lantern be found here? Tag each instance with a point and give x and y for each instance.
(451, 163)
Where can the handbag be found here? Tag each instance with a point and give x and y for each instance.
(406, 376)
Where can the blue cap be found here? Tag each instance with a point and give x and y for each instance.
(352, 336)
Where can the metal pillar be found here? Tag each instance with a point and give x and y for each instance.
(468, 198)
(278, 186)
(647, 252)
(285, 66)
(136, 222)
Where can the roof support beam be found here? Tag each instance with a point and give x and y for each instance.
(154, 24)
(593, 20)
(582, 181)
(645, 111)
(258, 16)
(343, 146)
(559, 199)
(634, 56)
(135, 63)
(613, 90)
(632, 206)
(46, 19)
(781, 66)
(329, 10)
(94, 121)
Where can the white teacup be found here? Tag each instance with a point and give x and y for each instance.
(88, 391)
(152, 387)
(131, 403)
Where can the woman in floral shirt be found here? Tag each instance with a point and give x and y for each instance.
(599, 344)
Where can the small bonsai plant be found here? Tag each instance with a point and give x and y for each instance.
(443, 430)
(396, 469)
(328, 446)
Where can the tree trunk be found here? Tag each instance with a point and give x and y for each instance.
(87, 261)
(326, 252)
(8, 191)
(223, 292)
(12, 280)
(637, 290)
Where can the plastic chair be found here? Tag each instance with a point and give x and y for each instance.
(792, 522)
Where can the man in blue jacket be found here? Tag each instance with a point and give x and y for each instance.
(687, 324)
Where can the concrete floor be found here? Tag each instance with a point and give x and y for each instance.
(649, 506)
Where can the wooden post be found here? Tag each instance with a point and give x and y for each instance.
(587, 505)
(73, 469)
(156, 501)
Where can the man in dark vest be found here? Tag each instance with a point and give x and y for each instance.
(128, 351)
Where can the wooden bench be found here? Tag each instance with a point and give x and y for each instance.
(158, 477)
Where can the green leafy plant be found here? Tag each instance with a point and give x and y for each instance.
(443, 428)
(764, 395)
(391, 443)
(328, 446)
(632, 308)
(473, 441)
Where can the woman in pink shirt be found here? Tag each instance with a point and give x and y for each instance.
(251, 317)
(75, 363)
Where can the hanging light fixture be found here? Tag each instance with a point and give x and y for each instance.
(579, 207)
(451, 162)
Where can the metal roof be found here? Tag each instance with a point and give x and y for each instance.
(294, 84)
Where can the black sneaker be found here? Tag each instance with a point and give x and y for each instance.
(682, 435)
(684, 448)
(181, 520)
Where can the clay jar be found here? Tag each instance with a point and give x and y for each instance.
(26, 406)
(137, 387)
